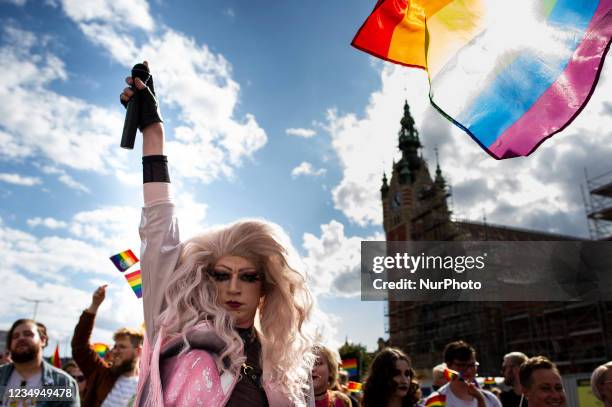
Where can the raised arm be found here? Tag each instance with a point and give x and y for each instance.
(159, 235)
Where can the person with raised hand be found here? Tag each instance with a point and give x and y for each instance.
(224, 310)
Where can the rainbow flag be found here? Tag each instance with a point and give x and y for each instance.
(55, 358)
(489, 381)
(451, 375)
(509, 73)
(124, 260)
(350, 365)
(100, 349)
(353, 386)
(134, 279)
(438, 400)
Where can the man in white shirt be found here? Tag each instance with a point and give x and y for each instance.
(462, 391)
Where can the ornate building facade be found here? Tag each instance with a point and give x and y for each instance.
(577, 336)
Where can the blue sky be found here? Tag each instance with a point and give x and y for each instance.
(269, 113)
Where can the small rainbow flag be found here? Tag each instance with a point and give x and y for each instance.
(510, 74)
(350, 365)
(353, 386)
(100, 349)
(439, 400)
(124, 260)
(135, 281)
(55, 359)
(489, 381)
(450, 375)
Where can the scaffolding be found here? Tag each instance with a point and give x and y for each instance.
(598, 205)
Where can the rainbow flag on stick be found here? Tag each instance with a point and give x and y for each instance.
(55, 358)
(439, 400)
(451, 375)
(489, 381)
(134, 279)
(124, 260)
(100, 349)
(509, 73)
(350, 365)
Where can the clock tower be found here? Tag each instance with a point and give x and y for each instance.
(414, 204)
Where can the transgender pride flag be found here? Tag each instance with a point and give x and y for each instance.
(509, 73)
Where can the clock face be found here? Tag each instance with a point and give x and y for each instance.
(396, 201)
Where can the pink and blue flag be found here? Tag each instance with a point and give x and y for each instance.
(509, 73)
(124, 260)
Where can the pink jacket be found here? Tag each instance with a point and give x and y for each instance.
(190, 379)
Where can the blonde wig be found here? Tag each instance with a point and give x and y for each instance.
(191, 298)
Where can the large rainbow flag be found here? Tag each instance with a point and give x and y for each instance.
(439, 400)
(509, 73)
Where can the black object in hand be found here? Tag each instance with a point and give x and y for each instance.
(132, 115)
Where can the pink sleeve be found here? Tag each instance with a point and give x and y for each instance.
(156, 193)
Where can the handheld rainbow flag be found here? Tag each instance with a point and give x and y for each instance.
(489, 381)
(451, 375)
(55, 358)
(353, 386)
(100, 349)
(350, 365)
(124, 260)
(439, 400)
(134, 279)
(510, 74)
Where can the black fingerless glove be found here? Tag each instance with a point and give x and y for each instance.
(149, 108)
(155, 169)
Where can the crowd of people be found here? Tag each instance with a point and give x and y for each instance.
(225, 315)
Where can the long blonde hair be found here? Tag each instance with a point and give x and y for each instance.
(191, 298)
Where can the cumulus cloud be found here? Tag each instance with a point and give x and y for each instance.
(306, 169)
(305, 133)
(17, 179)
(333, 260)
(64, 129)
(210, 140)
(524, 192)
(48, 222)
(65, 178)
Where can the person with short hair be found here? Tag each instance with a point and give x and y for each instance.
(108, 385)
(601, 383)
(541, 381)
(391, 381)
(462, 391)
(28, 370)
(343, 379)
(510, 370)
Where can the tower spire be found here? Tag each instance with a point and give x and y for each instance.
(440, 182)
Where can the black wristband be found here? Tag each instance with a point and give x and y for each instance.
(155, 169)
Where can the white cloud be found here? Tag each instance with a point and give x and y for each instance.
(210, 140)
(306, 169)
(48, 222)
(306, 133)
(19, 179)
(117, 13)
(229, 12)
(64, 178)
(64, 129)
(333, 260)
(540, 191)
